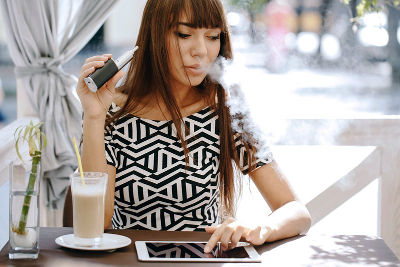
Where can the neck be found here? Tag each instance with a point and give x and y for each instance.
(184, 96)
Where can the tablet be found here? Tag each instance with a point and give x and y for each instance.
(183, 251)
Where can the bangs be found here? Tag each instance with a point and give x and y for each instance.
(200, 14)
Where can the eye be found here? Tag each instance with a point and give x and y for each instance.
(215, 37)
(182, 35)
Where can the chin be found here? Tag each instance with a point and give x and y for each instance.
(191, 80)
(196, 81)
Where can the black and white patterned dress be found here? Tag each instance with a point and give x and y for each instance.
(153, 190)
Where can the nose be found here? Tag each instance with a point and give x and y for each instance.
(199, 48)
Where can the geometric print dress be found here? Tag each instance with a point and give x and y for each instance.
(154, 189)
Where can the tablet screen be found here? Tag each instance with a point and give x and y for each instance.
(191, 250)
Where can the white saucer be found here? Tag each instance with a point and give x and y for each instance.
(109, 242)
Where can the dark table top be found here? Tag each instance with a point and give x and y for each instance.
(310, 250)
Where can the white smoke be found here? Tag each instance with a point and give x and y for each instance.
(233, 76)
(268, 115)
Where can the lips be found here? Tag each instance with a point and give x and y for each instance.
(195, 66)
(195, 69)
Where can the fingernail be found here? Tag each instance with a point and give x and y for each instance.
(206, 249)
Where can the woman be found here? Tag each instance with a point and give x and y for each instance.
(165, 136)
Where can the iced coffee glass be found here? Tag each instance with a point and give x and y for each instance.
(88, 207)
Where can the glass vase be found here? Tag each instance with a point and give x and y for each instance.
(24, 209)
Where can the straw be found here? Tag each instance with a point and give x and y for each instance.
(79, 161)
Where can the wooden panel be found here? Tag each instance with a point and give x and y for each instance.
(345, 188)
(383, 132)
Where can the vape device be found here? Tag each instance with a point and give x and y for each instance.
(101, 75)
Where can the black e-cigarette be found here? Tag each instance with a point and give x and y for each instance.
(101, 75)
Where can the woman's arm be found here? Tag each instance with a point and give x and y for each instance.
(95, 106)
(289, 217)
(94, 159)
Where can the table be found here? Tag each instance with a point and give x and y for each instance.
(309, 250)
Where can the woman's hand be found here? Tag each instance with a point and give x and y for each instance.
(96, 104)
(231, 232)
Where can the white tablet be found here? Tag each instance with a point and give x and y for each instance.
(193, 251)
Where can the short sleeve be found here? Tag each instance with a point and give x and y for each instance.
(110, 147)
(265, 158)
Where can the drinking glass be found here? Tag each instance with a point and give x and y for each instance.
(24, 210)
(88, 196)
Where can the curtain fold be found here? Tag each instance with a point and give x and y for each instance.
(41, 36)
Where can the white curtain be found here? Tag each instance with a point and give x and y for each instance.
(41, 36)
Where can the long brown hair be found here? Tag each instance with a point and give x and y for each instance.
(149, 75)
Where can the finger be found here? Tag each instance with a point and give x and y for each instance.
(226, 237)
(253, 234)
(236, 236)
(211, 229)
(86, 73)
(258, 235)
(97, 58)
(213, 240)
(96, 64)
(263, 235)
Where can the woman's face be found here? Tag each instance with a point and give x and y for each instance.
(192, 51)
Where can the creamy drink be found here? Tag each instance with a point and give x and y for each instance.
(88, 207)
(88, 211)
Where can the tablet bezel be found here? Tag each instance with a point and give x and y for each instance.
(143, 254)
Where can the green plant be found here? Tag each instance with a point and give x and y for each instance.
(36, 140)
(368, 6)
(253, 6)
